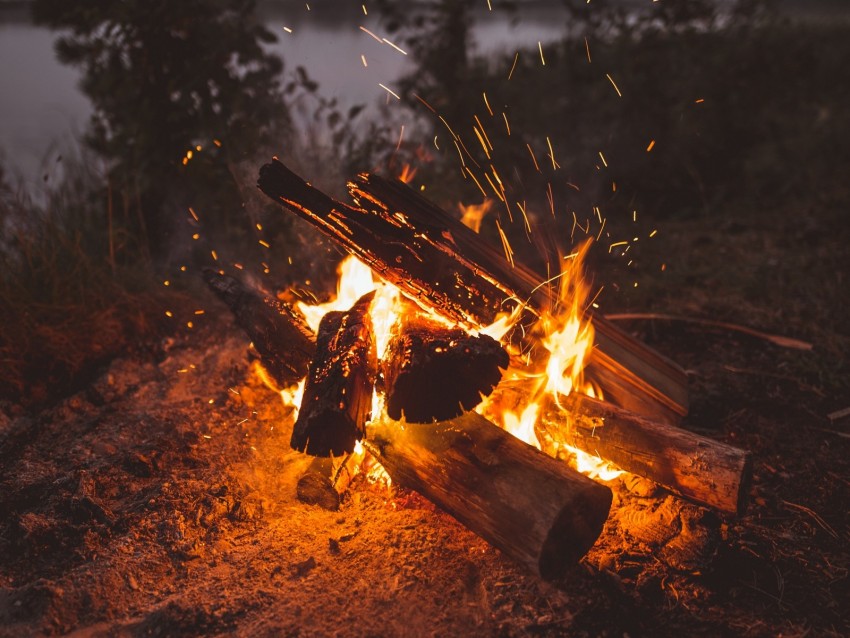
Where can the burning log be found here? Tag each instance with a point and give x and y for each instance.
(532, 507)
(698, 468)
(445, 266)
(280, 336)
(337, 398)
(434, 373)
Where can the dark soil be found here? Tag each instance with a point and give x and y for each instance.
(160, 500)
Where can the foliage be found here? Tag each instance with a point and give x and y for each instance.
(170, 81)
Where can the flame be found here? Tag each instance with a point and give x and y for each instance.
(407, 174)
(474, 213)
(562, 339)
(355, 280)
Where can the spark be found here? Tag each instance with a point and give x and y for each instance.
(199, 312)
(506, 246)
(487, 104)
(602, 157)
(552, 153)
(510, 74)
(493, 186)
(601, 228)
(234, 391)
(507, 126)
(395, 46)
(489, 6)
(475, 179)
(615, 244)
(483, 132)
(587, 48)
(214, 255)
(193, 214)
(457, 146)
(651, 146)
(437, 146)
(614, 84)
(653, 233)
(634, 216)
(430, 108)
(699, 101)
(168, 313)
(365, 30)
(481, 140)
(287, 29)
(217, 143)
(540, 47)
(400, 138)
(363, 60)
(551, 197)
(259, 226)
(196, 236)
(522, 208)
(264, 243)
(238, 266)
(190, 325)
(365, 13)
(390, 91)
(533, 158)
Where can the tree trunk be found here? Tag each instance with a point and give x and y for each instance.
(534, 508)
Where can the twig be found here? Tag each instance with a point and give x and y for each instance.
(815, 516)
(785, 342)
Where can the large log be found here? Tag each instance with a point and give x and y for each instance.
(443, 265)
(337, 397)
(532, 507)
(279, 333)
(433, 373)
(698, 468)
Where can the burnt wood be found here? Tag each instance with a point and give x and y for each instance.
(535, 509)
(337, 397)
(281, 338)
(703, 470)
(445, 266)
(326, 480)
(433, 373)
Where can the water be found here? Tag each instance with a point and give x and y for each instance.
(42, 111)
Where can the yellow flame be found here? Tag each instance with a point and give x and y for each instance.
(522, 426)
(407, 174)
(473, 214)
(355, 280)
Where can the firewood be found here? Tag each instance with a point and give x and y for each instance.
(434, 373)
(698, 468)
(338, 394)
(532, 507)
(281, 338)
(445, 266)
(326, 480)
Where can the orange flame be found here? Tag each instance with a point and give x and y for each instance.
(473, 214)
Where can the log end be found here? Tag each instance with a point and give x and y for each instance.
(570, 536)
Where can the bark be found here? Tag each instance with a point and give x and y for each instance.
(281, 338)
(532, 507)
(698, 468)
(433, 373)
(338, 394)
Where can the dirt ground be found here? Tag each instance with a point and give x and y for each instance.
(160, 500)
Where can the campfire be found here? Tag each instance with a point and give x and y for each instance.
(501, 397)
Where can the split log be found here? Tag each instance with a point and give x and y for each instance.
(434, 373)
(337, 397)
(445, 266)
(698, 468)
(532, 507)
(282, 339)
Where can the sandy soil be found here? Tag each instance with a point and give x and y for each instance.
(161, 501)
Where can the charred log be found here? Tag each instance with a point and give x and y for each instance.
(434, 373)
(338, 394)
(534, 508)
(443, 265)
(281, 338)
(695, 467)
